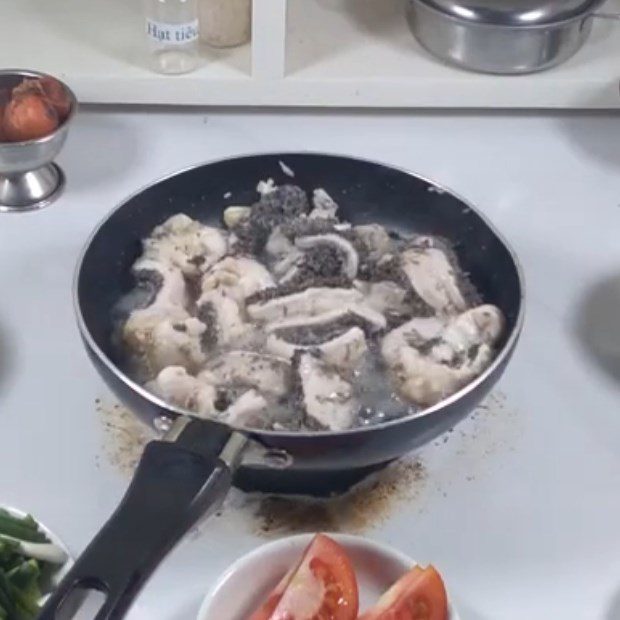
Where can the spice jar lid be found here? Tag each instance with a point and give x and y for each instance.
(514, 12)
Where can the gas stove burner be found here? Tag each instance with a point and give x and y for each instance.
(313, 483)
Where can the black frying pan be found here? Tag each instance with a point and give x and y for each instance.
(180, 478)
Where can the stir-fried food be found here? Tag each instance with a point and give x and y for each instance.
(289, 318)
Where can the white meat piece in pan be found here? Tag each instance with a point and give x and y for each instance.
(375, 240)
(483, 324)
(323, 255)
(310, 302)
(384, 296)
(162, 333)
(224, 324)
(431, 359)
(342, 248)
(278, 244)
(415, 333)
(282, 253)
(266, 187)
(237, 277)
(174, 343)
(139, 330)
(185, 243)
(251, 409)
(433, 278)
(171, 287)
(344, 351)
(373, 321)
(426, 382)
(266, 373)
(233, 215)
(327, 399)
(447, 340)
(324, 205)
(174, 385)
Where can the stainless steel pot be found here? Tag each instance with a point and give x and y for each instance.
(503, 36)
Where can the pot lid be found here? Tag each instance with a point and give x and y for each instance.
(514, 12)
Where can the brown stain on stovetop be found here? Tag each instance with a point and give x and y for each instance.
(124, 436)
(457, 457)
(365, 506)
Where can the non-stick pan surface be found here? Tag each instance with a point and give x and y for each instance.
(180, 478)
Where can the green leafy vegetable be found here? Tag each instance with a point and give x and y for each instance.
(24, 529)
(20, 576)
(8, 551)
(6, 598)
(25, 578)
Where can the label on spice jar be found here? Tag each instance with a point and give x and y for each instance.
(172, 34)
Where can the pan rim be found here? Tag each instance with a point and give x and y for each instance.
(437, 408)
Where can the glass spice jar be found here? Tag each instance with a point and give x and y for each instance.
(225, 23)
(172, 34)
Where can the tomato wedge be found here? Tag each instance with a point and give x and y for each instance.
(418, 595)
(322, 586)
(268, 607)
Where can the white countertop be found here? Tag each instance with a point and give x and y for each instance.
(521, 511)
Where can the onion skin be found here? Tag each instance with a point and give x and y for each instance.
(28, 117)
(57, 96)
(5, 97)
(27, 87)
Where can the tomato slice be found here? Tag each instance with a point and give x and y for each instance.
(418, 595)
(268, 607)
(322, 586)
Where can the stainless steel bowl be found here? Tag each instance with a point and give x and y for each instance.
(28, 177)
(503, 36)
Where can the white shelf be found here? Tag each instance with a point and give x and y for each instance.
(98, 47)
(354, 53)
(363, 51)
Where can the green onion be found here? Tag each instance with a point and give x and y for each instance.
(24, 529)
(21, 575)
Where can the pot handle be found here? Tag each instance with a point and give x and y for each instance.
(174, 484)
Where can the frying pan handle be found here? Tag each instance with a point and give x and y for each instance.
(172, 487)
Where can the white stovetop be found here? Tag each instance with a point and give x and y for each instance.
(522, 514)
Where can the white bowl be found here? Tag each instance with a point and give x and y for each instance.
(246, 584)
(57, 575)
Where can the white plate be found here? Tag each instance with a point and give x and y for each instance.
(246, 584)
